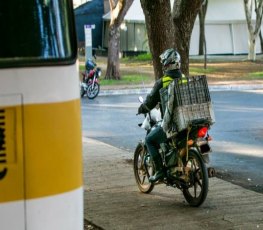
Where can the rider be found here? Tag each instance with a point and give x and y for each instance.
(171, 62)
(89, 66)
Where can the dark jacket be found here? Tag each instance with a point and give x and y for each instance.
(153, 98)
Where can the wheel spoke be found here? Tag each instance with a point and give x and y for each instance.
(140, 170)
(198, 187)
(195, 190)
(143, 179)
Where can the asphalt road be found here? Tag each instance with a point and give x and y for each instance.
(238, 131)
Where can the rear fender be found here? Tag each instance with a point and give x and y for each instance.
(205, 157)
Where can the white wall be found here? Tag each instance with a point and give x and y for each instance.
(226, 29)
(226, 10)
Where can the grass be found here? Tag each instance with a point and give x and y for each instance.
(134, 79)
(128, 79)
(135, 70)
(256, 75)
(140, 58)
(201, 70)
(81, 68)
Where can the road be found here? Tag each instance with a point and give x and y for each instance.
(237, 134)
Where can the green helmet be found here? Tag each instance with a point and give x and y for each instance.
(170, 59)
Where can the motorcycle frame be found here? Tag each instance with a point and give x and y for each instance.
(177, 182)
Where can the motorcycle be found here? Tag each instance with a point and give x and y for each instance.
(90, 81)
(185, 155)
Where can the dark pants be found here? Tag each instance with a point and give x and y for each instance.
(153, 141)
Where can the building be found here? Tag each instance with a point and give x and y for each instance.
(133, 34)
(90, 13)
(226, 29)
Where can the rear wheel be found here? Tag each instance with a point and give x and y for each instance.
(196, 193)
(93, 92)
(143, 168)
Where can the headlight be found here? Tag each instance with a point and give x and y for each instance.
(99, 73)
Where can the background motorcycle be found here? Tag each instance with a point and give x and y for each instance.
(90, 80)
(184, 158)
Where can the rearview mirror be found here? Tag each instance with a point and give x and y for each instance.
(141, 99)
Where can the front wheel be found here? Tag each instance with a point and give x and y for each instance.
(197, 189)
(143, 168)
(93, 92)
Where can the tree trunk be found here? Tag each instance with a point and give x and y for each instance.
(261, 41)
(113, 66)
(202, 14)
(201, 33)
(184, 15)
(253, 32)
(118, 9)
(252, 48)
(159, 29)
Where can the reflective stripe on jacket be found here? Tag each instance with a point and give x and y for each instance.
(167, 80)
(153, 98)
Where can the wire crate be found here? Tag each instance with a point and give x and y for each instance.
(192, 101)
(194, 91)
(184, 114)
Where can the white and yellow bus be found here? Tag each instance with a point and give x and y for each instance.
(40, 118)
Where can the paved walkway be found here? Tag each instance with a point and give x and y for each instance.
(113, 201)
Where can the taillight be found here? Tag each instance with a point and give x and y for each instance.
(202, 132)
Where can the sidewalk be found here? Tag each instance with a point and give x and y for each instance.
(113, 201)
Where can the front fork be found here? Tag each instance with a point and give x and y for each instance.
(94, 80)
(147, 161)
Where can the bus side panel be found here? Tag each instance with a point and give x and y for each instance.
(12, 215)
(12, 189)
(52, 148)
(44, 160)
(63, 211)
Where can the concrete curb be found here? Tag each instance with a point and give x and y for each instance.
(237, 87)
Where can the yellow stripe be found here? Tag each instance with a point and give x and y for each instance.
(51, 152)
(166, 81)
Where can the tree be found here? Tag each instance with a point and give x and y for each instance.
(118, 10)
(253, 32)
(202, 14)
(261, 40)
(170, 30)
(184, 16)
(159, 29)
(202, 40)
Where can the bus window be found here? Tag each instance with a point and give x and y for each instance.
(36, 33)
